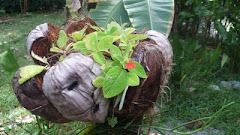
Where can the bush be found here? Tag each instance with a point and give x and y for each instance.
(11, 6)
(213, 24)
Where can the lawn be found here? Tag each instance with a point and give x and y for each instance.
(192, 102)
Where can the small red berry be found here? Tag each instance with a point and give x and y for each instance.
(130, 65)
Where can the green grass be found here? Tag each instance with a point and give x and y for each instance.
(14, 34)
(204, 102)
(184, 105)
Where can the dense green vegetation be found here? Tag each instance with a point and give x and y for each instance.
(33, 5)
(206, 45)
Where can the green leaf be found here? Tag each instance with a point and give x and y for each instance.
(133, 79)
(114, 29)
(56, 50)
(129, 31)
(124, 39)
(105, 70)
(80, 46)
(8, 61)
(105, 43)
(99, 58)
(91, 41)
(221, 29)
(28, 72)
(138, 70)
(112, 121)
(115, 82)
(43, 60)
(78, 35)
(61, 59)
(136, 37)
(115, 51)
(151, 14)
(119, 58)
(116, 63)
(62, 39)
(224, 60)
(107, 12)
(98, 82)
(100, 35)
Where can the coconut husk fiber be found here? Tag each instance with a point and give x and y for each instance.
(154, 54)
(32, 98)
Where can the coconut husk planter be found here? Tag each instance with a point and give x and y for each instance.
(65, 91)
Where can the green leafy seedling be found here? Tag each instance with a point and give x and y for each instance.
(99, 58)
(62, 40)
(91, 41)
(80, 46)
(105, 43)
(78, 35)
(112, 121)
(8, 61)
(98, 82)
(115, 82)
(28, 72)
(139, 70)
(43, 60)
(56, 50)
(133, 79)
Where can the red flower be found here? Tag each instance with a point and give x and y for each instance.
(130, 65)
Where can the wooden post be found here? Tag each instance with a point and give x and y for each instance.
(25, 7)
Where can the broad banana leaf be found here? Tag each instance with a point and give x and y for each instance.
(151, 14)
(93, 1)
(109, 11)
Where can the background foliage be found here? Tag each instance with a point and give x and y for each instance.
(10, 6)
(205, 36)
(212, 23)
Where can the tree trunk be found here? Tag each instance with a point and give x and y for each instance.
(25, 8)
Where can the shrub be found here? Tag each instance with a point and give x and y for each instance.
(11, 6)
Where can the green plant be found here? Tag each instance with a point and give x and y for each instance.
(141, 14)
(8, 62)
(192, 61)
(118, 70)
(213, 22)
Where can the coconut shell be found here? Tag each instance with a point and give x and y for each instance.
(155, 55)
(32, 98)
(40, 41)
(73, 26)
(68, 85)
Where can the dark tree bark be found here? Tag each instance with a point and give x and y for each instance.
(25, 8)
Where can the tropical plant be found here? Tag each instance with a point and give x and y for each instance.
(213, 22)
(193, 61)
(141, 14)
(8, 62)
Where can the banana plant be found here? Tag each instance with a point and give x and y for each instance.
(141, 14)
